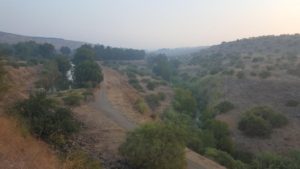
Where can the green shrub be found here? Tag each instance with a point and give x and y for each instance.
(73, 99)
(292, 103)
(154, 146)
(272, 161)
(161, 96)
(135, 84)
(259, 121)
(151, 85)
(274, 118)
(46, 119)
(224, 107)
(78, 159)
(153, 101)
(141, 106)
(221, 135)
(264, 74)
(240, 75)
(255, 126)
(221, 157)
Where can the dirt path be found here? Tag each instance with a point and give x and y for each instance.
(102, 106)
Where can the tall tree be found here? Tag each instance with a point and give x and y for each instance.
(65, 50)
(84, 53)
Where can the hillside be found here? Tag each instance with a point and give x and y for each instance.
(18, 149)
(57, 42)
(261, 71)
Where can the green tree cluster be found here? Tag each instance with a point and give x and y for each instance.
(154, 145)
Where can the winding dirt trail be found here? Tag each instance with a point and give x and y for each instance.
(104, 111)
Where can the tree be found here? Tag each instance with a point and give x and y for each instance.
(63, 64)
(50, 75)
(45, 118)
(154, 146)
(184, 102)
(87, 74)
(65, 50)
(47, 50)
(84, 53)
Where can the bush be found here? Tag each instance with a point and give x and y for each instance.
(45, 119)
(154, 146)
(253, 126)
(240, 75)
(151, 85)
(153, 101)
(184, 102)
(135, 84)
(264, 74)
(224, 107)
(161, 96)
(274, 118)
(224, 159)
(73, 99)
(77, 159)
(292, 103)
(272, 161)
(141, 106)
(259, 121)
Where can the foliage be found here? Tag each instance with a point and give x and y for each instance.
(73, 99)
(240, 75)
(87, 74)
(63, 64)
(163, 67)
(272, 161)
(156, 146)
(224, 107)
(84, 53)
(184, 102)
(224, 159)
(78, 159)
(151, 85)
(259, 121)
(49, 76)
(141, 106)
(221, 135)
(110, 53)
(134, 82)
(46, 119)
(264, 74)
(153, 100)
(65, 50)
(3, 84)
(292, 103)
(253, 125)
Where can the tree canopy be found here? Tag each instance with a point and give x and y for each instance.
(156, 146)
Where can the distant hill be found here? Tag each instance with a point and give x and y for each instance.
(174, 52)
(57, 42)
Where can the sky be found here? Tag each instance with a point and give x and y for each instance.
(150, 24)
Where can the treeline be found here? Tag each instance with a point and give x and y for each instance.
(31, 50)
(110, 53)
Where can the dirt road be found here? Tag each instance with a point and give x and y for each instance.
(103, 105)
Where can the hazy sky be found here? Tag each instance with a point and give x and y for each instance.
(150, 23)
